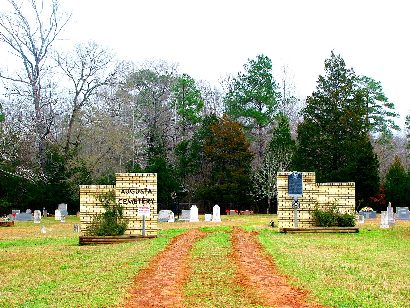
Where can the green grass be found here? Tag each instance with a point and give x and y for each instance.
(212, 281)
(56, 272)
(367, 269)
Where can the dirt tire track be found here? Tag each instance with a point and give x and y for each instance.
(162, 282)
(259, 275)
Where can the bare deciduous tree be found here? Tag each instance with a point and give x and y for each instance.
(29, 29)
(88, 70)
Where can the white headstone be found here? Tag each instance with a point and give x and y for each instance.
(171, 217)
(57, 215)
(193, 217)
(384, 220)
(208, 217)
(43, 229)
(360, 219)
(216, 213)
(390, 215)
(37, 216)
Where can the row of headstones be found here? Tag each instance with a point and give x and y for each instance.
(190, 215)
(59, 214)
(387, 218)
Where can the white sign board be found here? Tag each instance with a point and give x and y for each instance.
(143, 211)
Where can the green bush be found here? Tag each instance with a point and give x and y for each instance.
(112, 221)
(331, 217)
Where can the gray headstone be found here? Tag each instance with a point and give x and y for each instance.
(208, 217)
(76, 228)
(360, 219)
(63, 209)
(15, 211)
(402, 213)
(185, 215)
(368, 215)
(163, 215)
(28, 211)
(24, 217)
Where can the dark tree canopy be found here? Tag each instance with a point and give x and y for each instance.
(333, 140)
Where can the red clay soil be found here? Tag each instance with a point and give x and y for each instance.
(161, 284)
(257, 274)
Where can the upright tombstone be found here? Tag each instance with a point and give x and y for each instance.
(185, 215)
(402, 213)
(37, 216)
(208, 217)
(384, 220)
(216, 213)
(171, 217)
(163, 215)
(390, 215)
(57, 215)
(295, 190)
(63, 209)
(360, 219)
(193, 217)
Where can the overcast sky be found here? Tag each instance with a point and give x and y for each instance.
(210, 39)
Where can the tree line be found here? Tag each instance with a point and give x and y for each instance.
(76, 118)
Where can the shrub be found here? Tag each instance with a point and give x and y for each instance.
(331, 217)
(112, 221)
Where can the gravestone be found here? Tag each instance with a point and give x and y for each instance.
(57, 215)
(360, 219)
(216, 213)
(208, 217)
(185, 215)
(24, 217)
(402, 213)
(163, 215)
(390, 215)
(384, 220)
(62, 218)
(14, 214)
(43, 229)
(233, 212)
(37, 216)
(28, 211)
(63, 209)
(171, 217)
(368, 214)
(76, 228)
(194, 214)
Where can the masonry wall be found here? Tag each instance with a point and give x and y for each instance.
(323, 194)
(132, 190)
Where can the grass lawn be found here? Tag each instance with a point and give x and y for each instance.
(368, 269)
(51, 270)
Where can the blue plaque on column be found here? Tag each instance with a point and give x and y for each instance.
(295, 184)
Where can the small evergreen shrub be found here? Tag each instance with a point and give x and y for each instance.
(331, 217)
(112, 221)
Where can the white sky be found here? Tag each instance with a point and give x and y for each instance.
(210, 39)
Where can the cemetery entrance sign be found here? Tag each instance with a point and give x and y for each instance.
(135, 192)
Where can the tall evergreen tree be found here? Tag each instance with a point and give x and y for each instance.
(397, 184)
(252, 99)
(333, 140)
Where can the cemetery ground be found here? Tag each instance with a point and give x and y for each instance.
(215, 265)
